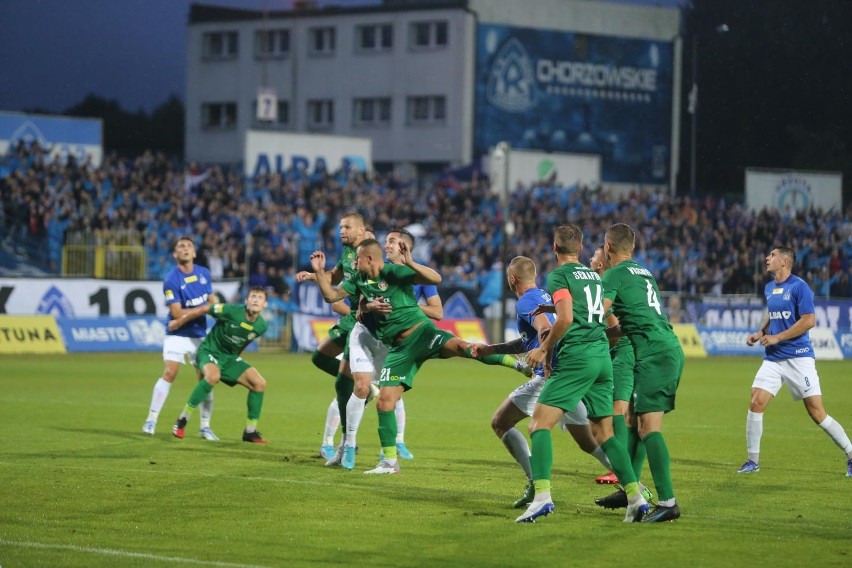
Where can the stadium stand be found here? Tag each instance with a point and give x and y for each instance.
(270, 225)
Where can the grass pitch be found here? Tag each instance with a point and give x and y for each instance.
(82, 486)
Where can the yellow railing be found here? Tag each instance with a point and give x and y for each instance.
(114, 262)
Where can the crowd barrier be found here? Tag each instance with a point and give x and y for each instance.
(42, 334)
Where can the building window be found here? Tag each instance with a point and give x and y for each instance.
(219, 116)
(282, 120)
(220, 45)
(427, 110)
(429, 35)
(320, 114)
(374, 38)
(372, 112)
(271, 43)
(322, 41)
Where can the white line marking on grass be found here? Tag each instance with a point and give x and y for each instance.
(125, 554)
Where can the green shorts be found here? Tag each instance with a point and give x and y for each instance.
(585, 375)
(623, 362)
(339, 332)
(404, 359)
(657, 378)
(231, 367)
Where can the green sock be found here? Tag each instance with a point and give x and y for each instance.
(619, 428)
(251, 425)
(199, 393)
(254, 403)
(541, 459)
(344, 387)
(636, 450)
(387, 433)
(620, 461)
(328, 364)
(660, 462)
(504, 360)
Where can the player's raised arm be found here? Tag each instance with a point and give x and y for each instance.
(329, 293)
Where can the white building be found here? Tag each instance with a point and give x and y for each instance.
(436, 83)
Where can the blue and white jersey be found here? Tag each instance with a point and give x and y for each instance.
(191, 290)
(786, 303)
(528, 302)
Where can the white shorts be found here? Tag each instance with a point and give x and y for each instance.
(525, 398)
(799, 374)
(178, 348)
(366, 352)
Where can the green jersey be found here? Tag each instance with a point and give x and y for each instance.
(350, 271)
(636, 303)
(395, 283)
(232, 331)
(584, 286)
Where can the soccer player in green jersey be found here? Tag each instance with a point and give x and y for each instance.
(623, 422)
(219, 359)
(632, 293)
(582, 371)
(352, 232)
(401, 324)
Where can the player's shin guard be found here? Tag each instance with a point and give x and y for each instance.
(617, 454)
(254, 403)
(636, 451)
(541, 460)
(387, 433)
(344, 387)
(325, 363)
(199, 393)
(659, 460)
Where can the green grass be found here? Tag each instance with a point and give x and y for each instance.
(82, 486)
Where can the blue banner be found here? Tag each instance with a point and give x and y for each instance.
(112, 334)
(727, 341)
(144, 333)
(560, 91)
(49, 130)
(747, 313)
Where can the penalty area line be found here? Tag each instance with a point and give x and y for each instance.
(124, 554)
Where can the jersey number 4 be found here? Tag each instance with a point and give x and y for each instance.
(653, 300)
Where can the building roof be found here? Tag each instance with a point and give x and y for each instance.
(203, 13)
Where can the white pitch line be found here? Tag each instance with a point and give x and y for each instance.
(125, 554)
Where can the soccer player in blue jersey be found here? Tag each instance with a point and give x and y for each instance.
(789, 358)
(186, 288)
(520, 404)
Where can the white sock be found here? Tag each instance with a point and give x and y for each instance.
(835, 430)
(332, 421)
(205, 411)
(400, 421)
(158, 398)
(601, 457)
(754, 431)
(354, 414)
(519, 449)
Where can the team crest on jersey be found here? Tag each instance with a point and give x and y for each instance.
(203, 281)
(382, 285)
(251, 336)
(787, 296)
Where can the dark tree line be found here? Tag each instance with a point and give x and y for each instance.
(131, 133)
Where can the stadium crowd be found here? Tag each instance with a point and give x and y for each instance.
(271, 224)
